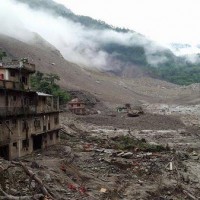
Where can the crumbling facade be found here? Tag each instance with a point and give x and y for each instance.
(28, 120)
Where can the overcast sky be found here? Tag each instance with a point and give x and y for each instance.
(164, 21)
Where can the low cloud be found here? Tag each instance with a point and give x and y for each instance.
(76, 43)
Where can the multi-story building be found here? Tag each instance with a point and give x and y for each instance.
(29, 120)
(77, 106)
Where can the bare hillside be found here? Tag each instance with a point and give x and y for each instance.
(109, 88)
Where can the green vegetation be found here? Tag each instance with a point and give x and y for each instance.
(182, 75)
(132, 54)
(2, 54)
(47, 83)
(128, 143)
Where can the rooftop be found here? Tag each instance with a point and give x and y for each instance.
(43, 94)
(16, 64)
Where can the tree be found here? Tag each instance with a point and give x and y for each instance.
(2, 54)
(47, 83)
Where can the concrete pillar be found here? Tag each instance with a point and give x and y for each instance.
(19, 145)
(30, 145)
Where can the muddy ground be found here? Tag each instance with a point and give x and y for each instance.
(111, 156)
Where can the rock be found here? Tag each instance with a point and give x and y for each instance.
(148, 154)
(14, 192)
(194, 156)
(120, 154)
(35, 165)
(140, 182)
(103, 190)
(99, 150)
(182, 155)
(127, 155)
(33, 184)
(47, 178)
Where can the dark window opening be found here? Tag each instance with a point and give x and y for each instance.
(14, 98)
(51, 136)
(44, 128)
(24, 80)
(25, 102)
(14, 123)
(56, 120)
(15, 144)
(44, 100)
(57, 135)
(12, 73)
(37, 123)
(25, 144)
(4, 152)
(37, 142)
(45, 135)
(25, 126)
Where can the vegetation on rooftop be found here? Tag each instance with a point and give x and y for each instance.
(47, 83)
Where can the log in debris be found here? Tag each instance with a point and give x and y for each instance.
(190, 195)
(34, 177)
(11, 197)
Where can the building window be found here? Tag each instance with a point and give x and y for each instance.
(14, 98)
(25, 144)
(56, 120)
(25, 126)
(15, 144)
(49, 126)
(7, 122)
(37, 123)
(14, 123)
(12, 73)
(1, 76)
(24, 80)
(51, 136)
(57, 135)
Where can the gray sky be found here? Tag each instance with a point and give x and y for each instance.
(164, 21)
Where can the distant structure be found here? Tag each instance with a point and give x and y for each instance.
(77, 106)
(29, 120)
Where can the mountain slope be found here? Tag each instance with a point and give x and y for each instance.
(124, 47)
(106, 87)
(120, 51)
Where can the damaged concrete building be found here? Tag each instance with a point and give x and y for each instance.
(29, 120)
(77, 106)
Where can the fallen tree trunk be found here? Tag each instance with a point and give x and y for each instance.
(190, 195)
(33, 176)
(11, 197)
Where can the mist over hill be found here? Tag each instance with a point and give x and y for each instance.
(95, 44)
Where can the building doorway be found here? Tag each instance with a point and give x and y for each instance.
(4, 152)
(37, 142)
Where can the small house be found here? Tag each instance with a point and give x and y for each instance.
(77, 106)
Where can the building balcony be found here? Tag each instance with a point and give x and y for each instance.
(13, 111)
(5, 84)
(31, 109)
(29, 66)
(46, 109)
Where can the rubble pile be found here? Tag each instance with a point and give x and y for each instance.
(92, 163)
